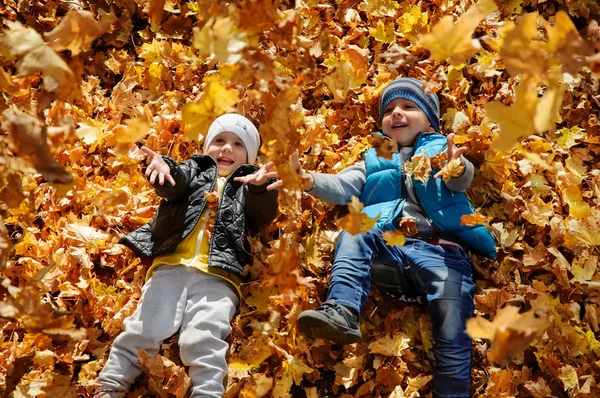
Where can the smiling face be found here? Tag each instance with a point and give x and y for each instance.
(228, 150)
(403, 120)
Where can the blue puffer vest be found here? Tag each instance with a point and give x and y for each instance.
(382, 196)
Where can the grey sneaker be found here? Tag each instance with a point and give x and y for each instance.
(330, 321)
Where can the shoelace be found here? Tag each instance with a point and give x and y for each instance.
(329, 308)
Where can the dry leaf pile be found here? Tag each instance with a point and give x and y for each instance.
(82, 81)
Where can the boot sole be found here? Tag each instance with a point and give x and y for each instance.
(319, 327)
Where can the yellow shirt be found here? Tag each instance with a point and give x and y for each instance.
(193, 250)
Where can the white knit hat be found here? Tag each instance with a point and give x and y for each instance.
(238, 125)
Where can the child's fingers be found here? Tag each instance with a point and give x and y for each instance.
(153, 175)
(276, 185)
(148, 151)
(170, 179)
(271, 174)
(269, 166)
(149, 170)
(437, 175)
(161, 178)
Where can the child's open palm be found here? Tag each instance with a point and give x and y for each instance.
(258, 178)
(454, 152)
(157, 168)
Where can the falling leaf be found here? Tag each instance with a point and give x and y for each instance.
(28, 135)
(515, 121)
(393, 238)
(454, 40)
(221, 38)
(474, 219)
(77, 30)
(216, 100)
(509, 332)
(355, 221)
(384, 146)
(419, 167)
(36, 56)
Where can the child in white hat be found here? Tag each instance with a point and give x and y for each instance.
(199, 251)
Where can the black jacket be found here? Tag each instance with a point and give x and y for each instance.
(242, 209)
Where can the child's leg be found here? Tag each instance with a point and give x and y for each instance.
(157, 317)
(350, 279)
(444, 274)
(337, 319)
(212, 303)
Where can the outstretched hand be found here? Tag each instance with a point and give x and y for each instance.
(454, 152)
(307, 179)
(260, 177)
(157, 168)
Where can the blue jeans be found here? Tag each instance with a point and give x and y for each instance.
(442, 274)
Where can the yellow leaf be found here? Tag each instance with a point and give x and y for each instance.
(382, 31)
(356, 222)
(339, 80)
(569, 136)
(538, 212)
(474, 219)
(390, 345)
(36, 56)
(568, 375)
(380, 8)
(515, 121)
(548, 107)
(393, 238)
(134, 131)
(571, 195)
(419, 167)
(453, 169)
(519, 52)
(584, 268)
(510, 332)
(454, 40)
(215, 101)
(221, 38)
(28, 135)
(77, 31)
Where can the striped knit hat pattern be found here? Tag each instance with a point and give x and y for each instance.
(411, 89)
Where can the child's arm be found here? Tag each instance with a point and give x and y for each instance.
(163, 168)
(260, 204)
(332, 188)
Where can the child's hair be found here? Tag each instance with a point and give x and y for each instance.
(411, 89)
(238, 125)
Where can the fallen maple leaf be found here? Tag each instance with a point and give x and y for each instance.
(452, 169)
(384, 146)
(474, 219)
(355, 221)
(509, 332)
(393, 238)
(419, 167)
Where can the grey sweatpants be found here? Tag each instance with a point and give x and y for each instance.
(174, 298)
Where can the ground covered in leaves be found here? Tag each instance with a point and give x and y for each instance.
(82, 81)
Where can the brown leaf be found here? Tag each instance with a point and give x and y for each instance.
(77, 31)
(28, 135)
(384, 146)
(36, 56)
